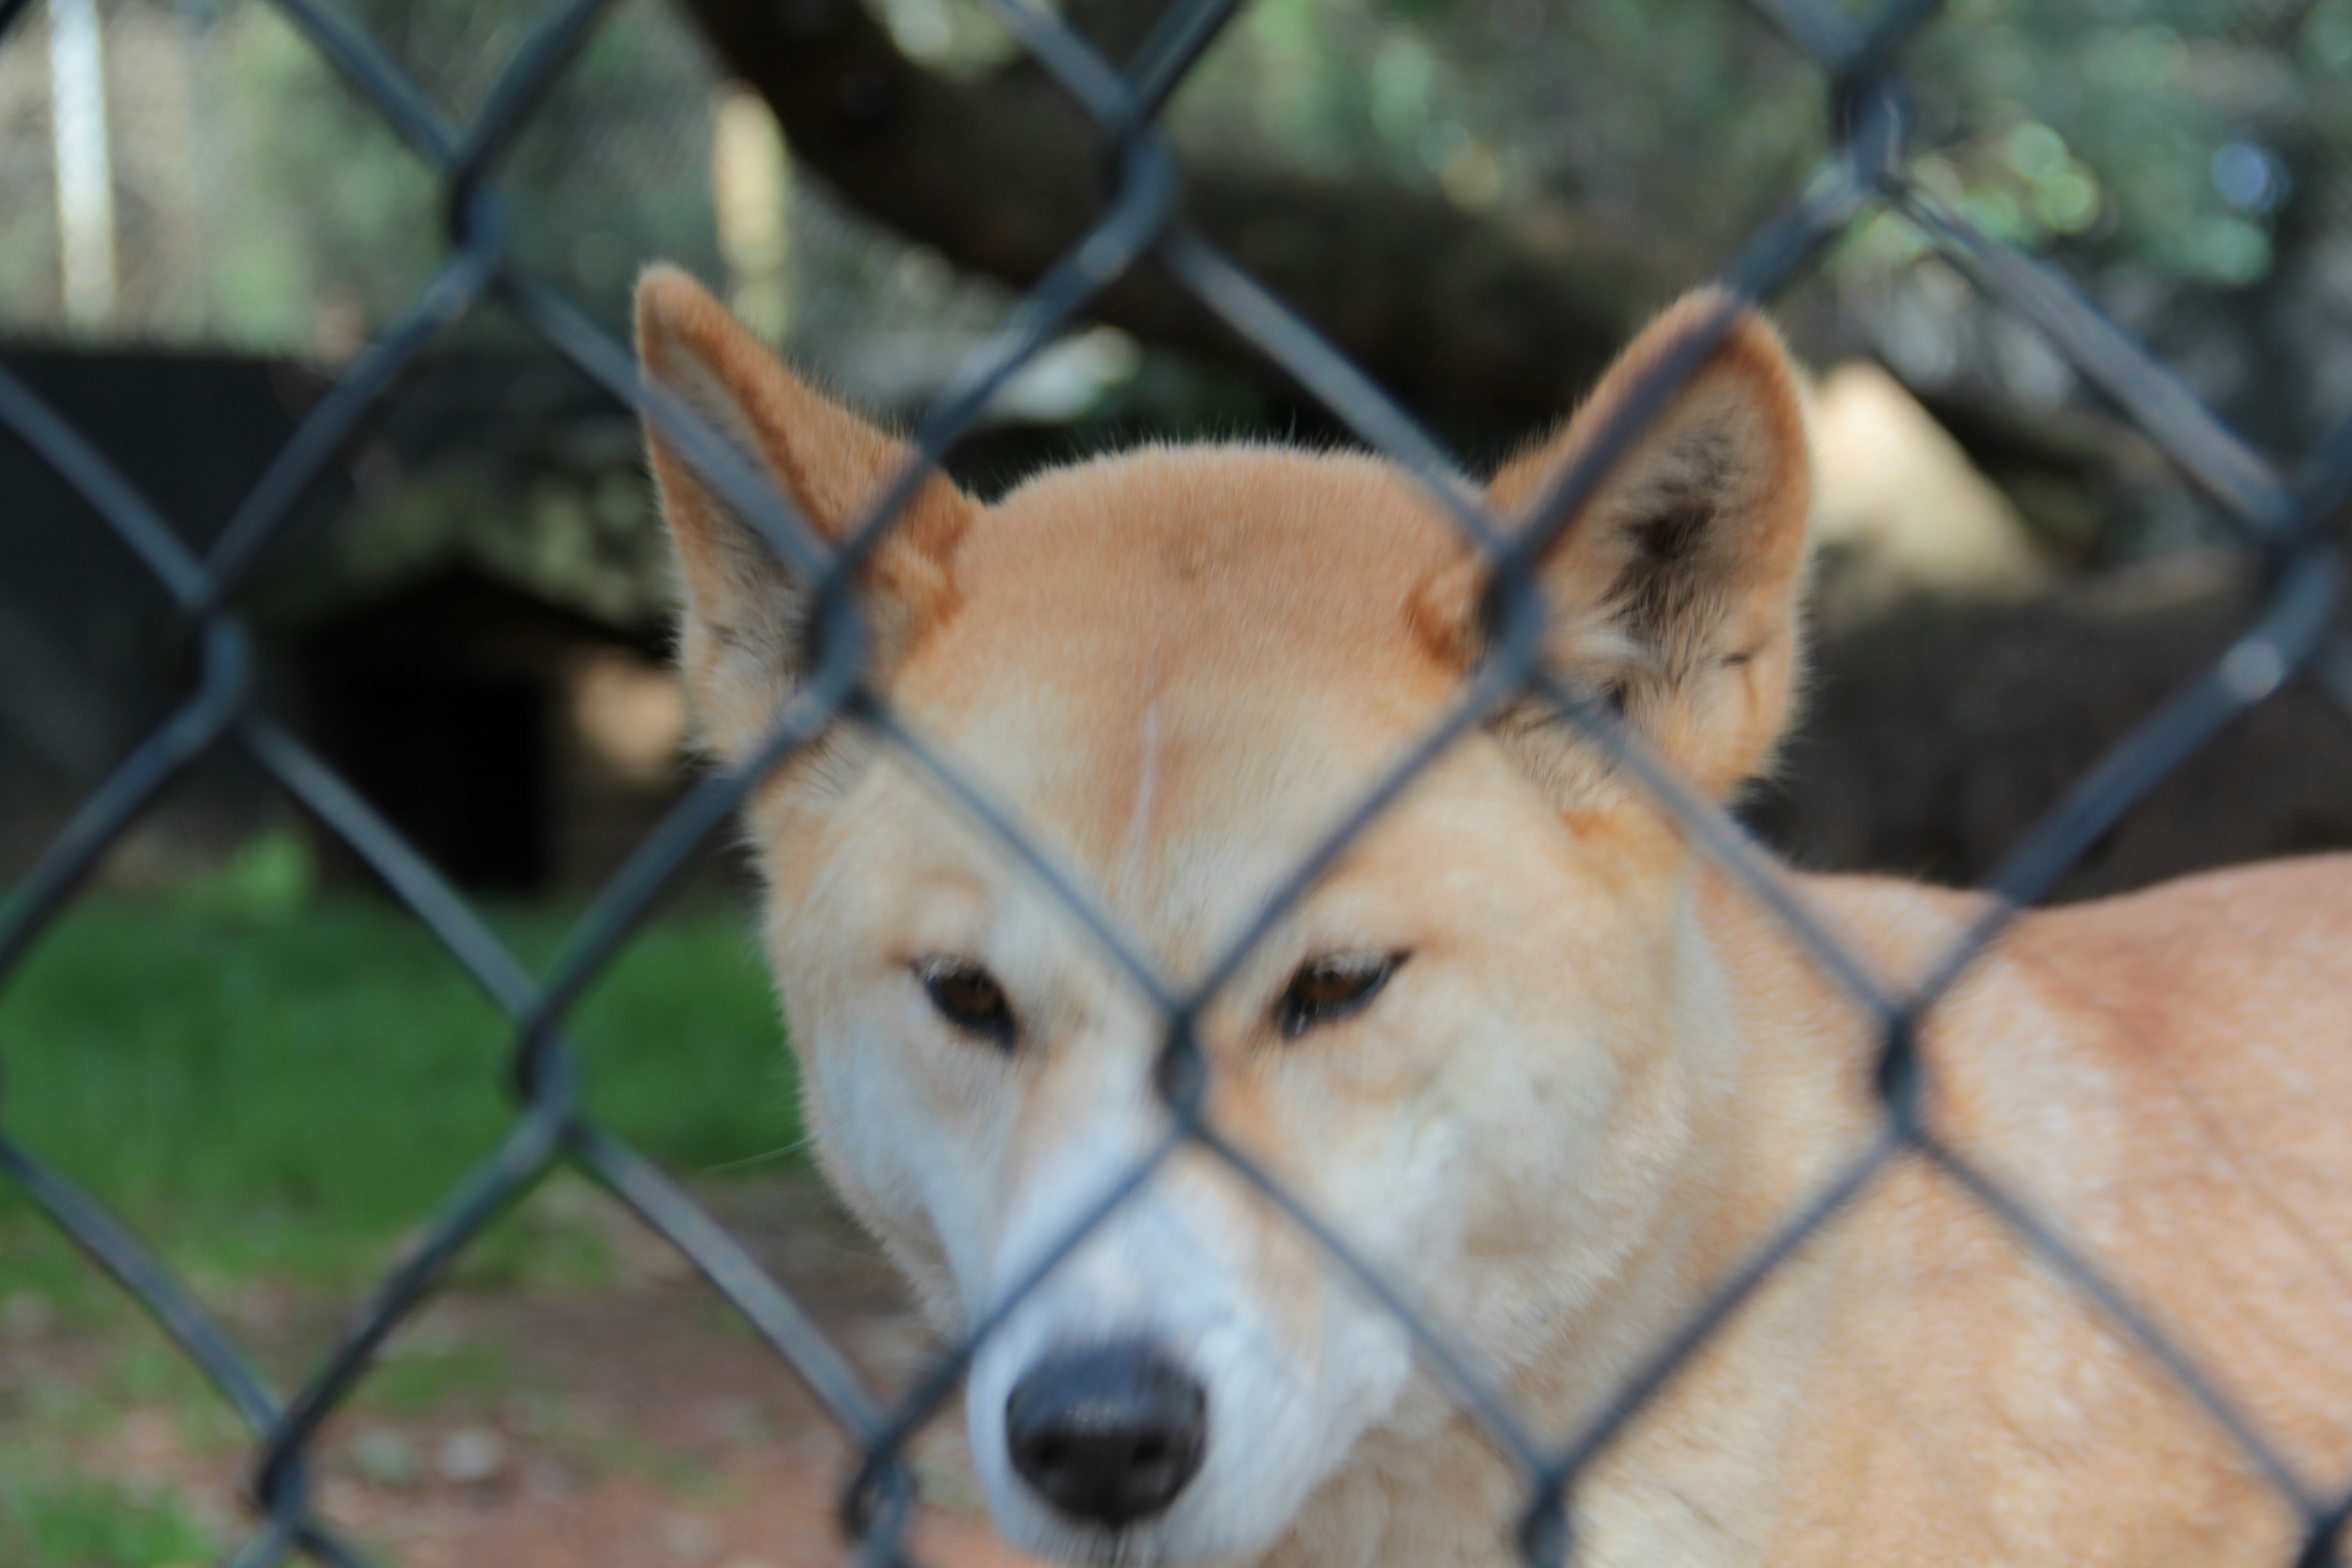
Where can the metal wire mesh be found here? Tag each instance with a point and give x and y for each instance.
(2281, 516)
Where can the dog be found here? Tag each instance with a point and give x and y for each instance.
(1524, 1046)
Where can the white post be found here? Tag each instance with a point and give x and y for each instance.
(751, 177)
(85, 170)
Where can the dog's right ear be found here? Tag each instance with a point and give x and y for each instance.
(743, 640)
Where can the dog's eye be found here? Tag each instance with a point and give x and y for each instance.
(968, 998)
(1329, 988)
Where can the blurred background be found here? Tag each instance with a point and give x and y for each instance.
(239, 1042)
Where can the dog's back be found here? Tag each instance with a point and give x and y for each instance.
(2163, 1081)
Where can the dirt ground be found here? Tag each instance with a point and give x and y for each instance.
(629, 1421)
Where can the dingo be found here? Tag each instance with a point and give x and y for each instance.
(1523, 1046)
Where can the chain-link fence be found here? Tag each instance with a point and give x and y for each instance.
(2283, 518)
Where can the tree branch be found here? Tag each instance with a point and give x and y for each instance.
(1483, 326)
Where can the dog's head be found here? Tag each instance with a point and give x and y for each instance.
(1466, 1047)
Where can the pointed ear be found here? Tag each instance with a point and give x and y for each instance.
(743, 640)
(1673, 593)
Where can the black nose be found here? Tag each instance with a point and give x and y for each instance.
(1108, 1433)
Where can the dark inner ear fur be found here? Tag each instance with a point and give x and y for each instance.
(1686, 546)
(1662, 584)
(1673, 594)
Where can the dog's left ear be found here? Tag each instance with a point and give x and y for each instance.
(1673, 593)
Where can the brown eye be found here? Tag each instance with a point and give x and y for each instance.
(1331, 988)
(968, 998)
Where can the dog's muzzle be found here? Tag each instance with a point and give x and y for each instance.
(1108, 1435)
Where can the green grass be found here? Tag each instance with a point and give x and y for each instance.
(83, 1523)
(291, 1083)
(420, 1382)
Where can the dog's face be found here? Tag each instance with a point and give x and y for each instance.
(1466, 1047)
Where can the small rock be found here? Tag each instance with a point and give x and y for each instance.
(341, 1499)
(688, 1541)
(385, 1458)
(547, 1478)
(740, 1421)
(470, 1456)
(149, 1437)
(526, 1415)
(26, 1316)
(263, 1308)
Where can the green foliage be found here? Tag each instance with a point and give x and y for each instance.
(1605, 106)
(270, 876)
(2167, 153)
(87, 1523)
(266, 204)
(293, 1085)
(2162, 136)
(2080, 123)
(319, 210)
(422, 1381)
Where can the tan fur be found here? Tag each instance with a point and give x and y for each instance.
(1603, 1077)
(827, 462)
